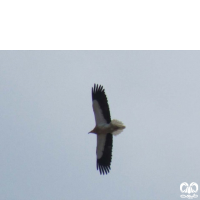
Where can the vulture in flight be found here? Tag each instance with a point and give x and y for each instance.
(104, 129)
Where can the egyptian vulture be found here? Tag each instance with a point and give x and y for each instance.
(104, 129)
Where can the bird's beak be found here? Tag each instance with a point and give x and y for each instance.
(92, 131)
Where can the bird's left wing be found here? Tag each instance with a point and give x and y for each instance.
(104, 152)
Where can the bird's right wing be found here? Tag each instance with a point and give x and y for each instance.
(100, 105)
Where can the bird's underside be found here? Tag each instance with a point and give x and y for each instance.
(114, 127)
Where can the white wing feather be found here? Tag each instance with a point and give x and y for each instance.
(99, 118)
(101, 140)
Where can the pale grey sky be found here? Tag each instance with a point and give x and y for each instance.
(46, 113)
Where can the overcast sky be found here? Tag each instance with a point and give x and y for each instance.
(46, 114)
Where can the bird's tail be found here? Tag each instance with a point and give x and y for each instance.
(118, 127)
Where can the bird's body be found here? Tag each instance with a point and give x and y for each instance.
(104, 129)
(114, 127)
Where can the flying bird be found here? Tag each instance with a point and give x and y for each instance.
(104, 129)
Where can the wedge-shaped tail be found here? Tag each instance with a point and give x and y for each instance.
(118, 127)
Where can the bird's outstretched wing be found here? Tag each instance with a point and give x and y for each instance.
(104, 152)
(100, 105)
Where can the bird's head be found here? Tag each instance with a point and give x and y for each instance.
(94, 130)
